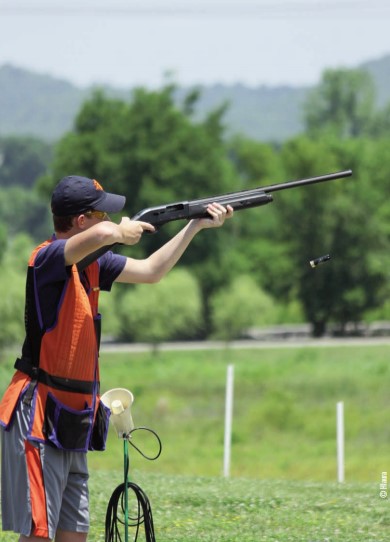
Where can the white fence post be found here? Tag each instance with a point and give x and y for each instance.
(228, 420)
(340, 441)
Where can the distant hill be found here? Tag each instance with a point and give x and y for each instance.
(380, 72)
(43, 106)
(36, 104)
(264, 113)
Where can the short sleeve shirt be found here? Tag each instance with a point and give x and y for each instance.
(51, 273)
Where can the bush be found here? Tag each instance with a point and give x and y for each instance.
(12, 292)
(108, 307)
(159, 312)
(241, 306)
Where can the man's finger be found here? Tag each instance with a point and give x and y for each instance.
(146, 226)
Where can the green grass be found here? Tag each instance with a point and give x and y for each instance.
(202, 509)
(284, 424)
(194, 509)
(283, 474)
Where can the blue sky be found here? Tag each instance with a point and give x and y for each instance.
(127, 43)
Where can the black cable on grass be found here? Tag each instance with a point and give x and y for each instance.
(143, 516)
(116, 504)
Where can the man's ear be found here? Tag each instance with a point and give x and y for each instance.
(80, 221)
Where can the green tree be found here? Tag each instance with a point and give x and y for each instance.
(24, 210)
(23, 160)
(18, 252)
(380, 123)
(342, 104)
(146, 148)
(3, 240)
(330, 219)
(255, 246)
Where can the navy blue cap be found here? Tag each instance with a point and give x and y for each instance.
(75, 195)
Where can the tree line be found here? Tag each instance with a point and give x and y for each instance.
(253, 272)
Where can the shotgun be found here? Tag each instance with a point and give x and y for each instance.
(186, 210)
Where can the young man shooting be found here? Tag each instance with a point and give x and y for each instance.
(51, 412)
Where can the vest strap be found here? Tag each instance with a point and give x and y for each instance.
(57, 382)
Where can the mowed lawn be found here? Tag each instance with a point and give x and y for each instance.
(204, 509)
(284, 412)
(283, 468)
(195, 509)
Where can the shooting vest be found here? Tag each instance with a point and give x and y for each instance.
(58, 373)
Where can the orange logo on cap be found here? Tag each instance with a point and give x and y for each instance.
(97, 185)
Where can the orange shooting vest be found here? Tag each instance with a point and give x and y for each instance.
(58, 373)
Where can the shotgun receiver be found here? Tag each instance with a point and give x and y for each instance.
(244, 199)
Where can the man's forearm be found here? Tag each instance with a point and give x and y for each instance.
(158, 264)
(169, 254)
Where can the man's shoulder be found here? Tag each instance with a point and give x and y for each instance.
(51, 248)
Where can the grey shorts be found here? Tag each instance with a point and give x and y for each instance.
(42, 488)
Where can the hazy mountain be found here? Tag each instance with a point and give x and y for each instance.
(266, 113)
(380, 72)
(36, 104)
(41, 105)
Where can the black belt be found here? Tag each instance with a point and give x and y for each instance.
(56, 382)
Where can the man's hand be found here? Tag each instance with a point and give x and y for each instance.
(218, 214)
(132, 230)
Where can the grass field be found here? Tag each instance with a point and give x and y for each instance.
(194, 509)
(283, 474)
(284, 422)
(202, 509)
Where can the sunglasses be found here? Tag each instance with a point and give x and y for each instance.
(101, 215)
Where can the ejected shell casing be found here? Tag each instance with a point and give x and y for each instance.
(320, 260)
